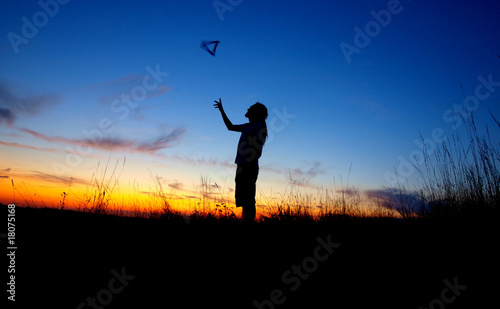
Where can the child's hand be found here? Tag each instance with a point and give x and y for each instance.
(218, 104)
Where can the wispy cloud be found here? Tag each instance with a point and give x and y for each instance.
(176, 185)
(38, 176)
(13, 104)
(213, 162)
(272, 167)
(348, 191)
(5, 170)
(383, 194)
(128, 95)
(55, 179)
(7, 116)
(393, 197)
(302, 176)
(161, 90)
(309, 172)
(166, 140)
(121, 89)
(27, 146)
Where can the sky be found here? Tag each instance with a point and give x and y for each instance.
(352, 88)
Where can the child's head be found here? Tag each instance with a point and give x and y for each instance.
(257, 112)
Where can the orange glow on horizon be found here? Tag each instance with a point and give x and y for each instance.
(205, 198)
(25, 192)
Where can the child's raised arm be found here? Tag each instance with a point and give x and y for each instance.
(230, 126)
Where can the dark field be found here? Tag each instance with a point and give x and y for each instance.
(68, 259)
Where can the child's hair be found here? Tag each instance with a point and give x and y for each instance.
(261, 115)
(260, 111)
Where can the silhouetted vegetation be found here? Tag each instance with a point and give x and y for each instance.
(460, 178)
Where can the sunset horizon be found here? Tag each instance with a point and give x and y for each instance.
(349, 106)
(249, 154)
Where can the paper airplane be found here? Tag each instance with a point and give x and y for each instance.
(204, 45)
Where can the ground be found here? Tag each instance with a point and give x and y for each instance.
(68, 259)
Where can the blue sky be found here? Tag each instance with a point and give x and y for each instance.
(286, 54)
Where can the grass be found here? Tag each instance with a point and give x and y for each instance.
(97, 197)
(379, 263)
(394, 252)
(460, 178)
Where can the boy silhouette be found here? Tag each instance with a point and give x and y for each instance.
(252, 139)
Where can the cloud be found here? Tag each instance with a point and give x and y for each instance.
(272, 168)
(383, 194)
(205, 162)
(348, 191)
(394, 198)
(5, 170)
(161, 90)
(27, 146)
(302, 176)
(122, 89)
(107, 143)
(7, 116)
(13, 104)
(176, 185)
(56, 179)
(47, 138)
(34, 175)
(164, 141)
(116, 143)
(310, 172)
